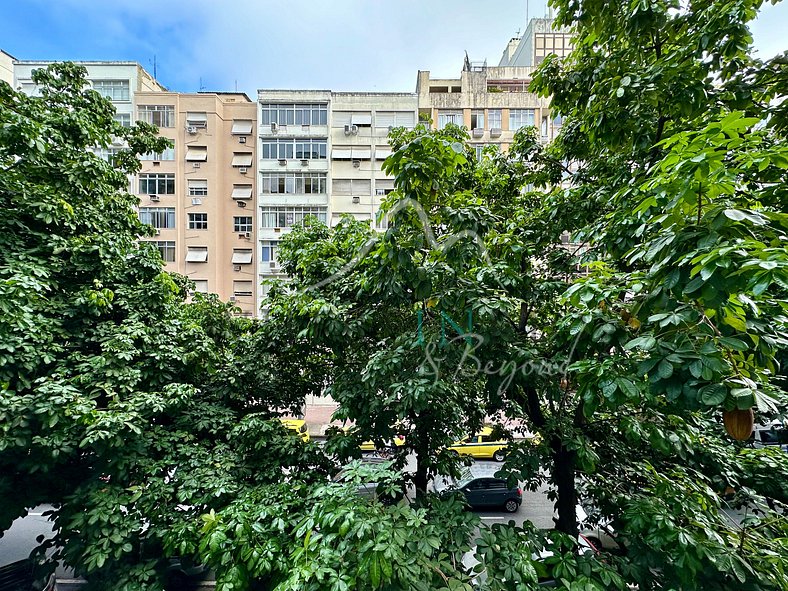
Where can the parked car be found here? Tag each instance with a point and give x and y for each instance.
(483, 491)
(298, 427)
(771, 434)
(21, 576)
(482, 446)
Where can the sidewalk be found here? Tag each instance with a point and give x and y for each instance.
(318, 411)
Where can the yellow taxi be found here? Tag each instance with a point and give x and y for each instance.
(298, 427)
(482, 446)
(370, 447)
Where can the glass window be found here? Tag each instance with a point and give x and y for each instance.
(495, 118)
(123, 118)
(158, 115)
(285, 149)
(287, 216)
(168, 154)
(157, 184)
(242, 223)
(294, 114)
(198, 187)
(520, 118)
(477, 119)
(166, 249)
(114, 90)
(269, 251)
(200, 286)
(198, 221)
(158, 217)
(446, 117)
(298, 183)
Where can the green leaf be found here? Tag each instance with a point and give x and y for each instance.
(733, 343)
(665, 369)
(713, 394)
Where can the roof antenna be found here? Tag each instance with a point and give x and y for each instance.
(154, 66)
(201, 86)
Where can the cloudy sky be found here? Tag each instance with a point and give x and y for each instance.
(373, 45)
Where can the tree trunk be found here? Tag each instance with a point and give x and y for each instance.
(564, 477)
(421, 477)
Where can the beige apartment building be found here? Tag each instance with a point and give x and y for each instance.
(7, 67)
(200, 194)
(493, 102)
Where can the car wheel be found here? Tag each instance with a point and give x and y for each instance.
(511, 505)
(499, 455)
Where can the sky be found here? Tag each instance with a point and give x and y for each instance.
(340, 45)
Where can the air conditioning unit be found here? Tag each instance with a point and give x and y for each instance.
(273, 266)
(347, 129)
(236, 267)
(277, 230)
(241, 140)
(196, 201)
(192, 129)
(274, 127)
(356, 163)
(232, 298)
(495, 132)
(246, 235)
(305, 163)
(241, 203)
(354, 129)
(157, 232)
(154, 197)
(282, 162)
(477, 132)
(195, 165)
(242, 170)
(356, 199)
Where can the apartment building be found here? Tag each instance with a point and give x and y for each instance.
(493, 102)
(200, 194)
(7, 67)
(320, 154)
(120, 82)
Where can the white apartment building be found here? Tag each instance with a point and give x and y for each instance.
(320, 153)
(117, 81)
(7, 67)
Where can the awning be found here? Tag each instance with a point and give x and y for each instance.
(194, 255)
(242, 127)
(242, 159)
(196, 117)
(382, 152)
(242, 191)
(197, 154)
(357, 119)
(242, 257)
(361, 153)
(341, 153)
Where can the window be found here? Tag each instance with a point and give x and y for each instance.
(198, 187)
(196, 154)
(242, 289)
(242, 159)
(381, 220)
(242, 192)
(157, 184)
(363, 119)
(495, 118)
(352, 186)
(107, 154)
(198, 221)
(352, 153)
(285, 149)
(520, 118)
(384, 186)
(167, 154)
(166, 249)
(114, 90)
(197, 254)
(200, 286)
(479, 151)
(197, 119)
(288, 216)
(382, 152)
(158, 217)
(395, 119)
(477, 119)
(546, 43)
(242, 224)
(158, 115)
(241, 127)
(123, 118)
(268, 252)
(292, 183)
(242, 256)
(294, 114)
(446, 117)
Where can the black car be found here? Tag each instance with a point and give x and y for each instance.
(484, 492)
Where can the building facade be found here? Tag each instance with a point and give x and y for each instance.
(320, 153)
(200, 195)
(7, 67)
(541, 38)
